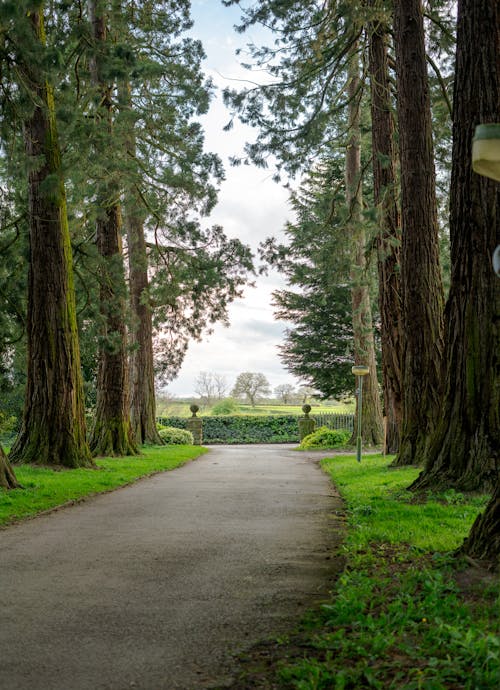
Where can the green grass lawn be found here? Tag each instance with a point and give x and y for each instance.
(182, 409)
(45, 488)
(317, 408)
(404, 614)
(382, 510)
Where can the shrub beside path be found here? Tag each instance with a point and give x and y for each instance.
(154, 586)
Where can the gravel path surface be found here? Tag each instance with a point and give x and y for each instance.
(154, 586)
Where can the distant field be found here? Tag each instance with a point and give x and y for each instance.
(182, 409)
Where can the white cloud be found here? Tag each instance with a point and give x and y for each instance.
(251, 207)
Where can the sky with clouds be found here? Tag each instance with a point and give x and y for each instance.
(251, 207)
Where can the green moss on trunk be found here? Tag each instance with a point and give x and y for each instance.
(7, 477)
(53, 428)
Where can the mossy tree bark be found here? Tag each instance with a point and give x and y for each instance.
(420, 270)
(112, 433)
(464, 450)
(389, 235)
(7, 477)
(364, 346)
(53, 428)
(143, 400)
(141, 359)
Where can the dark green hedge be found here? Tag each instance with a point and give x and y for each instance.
(243, 428)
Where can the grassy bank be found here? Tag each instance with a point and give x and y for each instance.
(404, 613)
(45, 488)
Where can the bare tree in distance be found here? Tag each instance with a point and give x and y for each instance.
(306, 393)
(251, 386)
(221, 386)
(285, 392)
(205, 387)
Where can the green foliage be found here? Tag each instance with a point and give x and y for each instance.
(326, 438)
(158, 87)
(397, 618)
(44, 489)
(408, 629)
(316, 260)
(382, 510)
(251, 386)
(9, 425)
(298, 109)
(172, 435)
(226, 406)
(244, 428)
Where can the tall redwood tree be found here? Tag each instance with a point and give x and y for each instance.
(422, 292)
(142, 377)
(53, 426)
(112, 433)
(363, 342)
(385, 190)
(464, 450)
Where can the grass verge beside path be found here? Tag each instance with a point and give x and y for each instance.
(45, 488)
(404, 613)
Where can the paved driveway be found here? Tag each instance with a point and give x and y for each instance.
(153, 586)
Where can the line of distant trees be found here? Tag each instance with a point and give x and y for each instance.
(250, 387)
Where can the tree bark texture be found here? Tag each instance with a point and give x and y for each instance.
(143, 400)
(112, 433)
(53, 428)
(420, 271)
(364, 346)
(483, 542)
(464, 450)
(7, 477)
(389, 235)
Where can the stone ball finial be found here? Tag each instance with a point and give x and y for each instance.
(194, 409)
(306, 409)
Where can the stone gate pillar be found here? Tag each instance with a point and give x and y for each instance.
(306, 424)
(195, 426)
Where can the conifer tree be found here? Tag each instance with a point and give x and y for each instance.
(181, 276)
(420, 269)
(141, 360)
(53, 427)
(464, 449)
(317, 302)
(477, 98)
(302, 109)
(388, 238)
(364, 345)
(112, 433)
(316, 260)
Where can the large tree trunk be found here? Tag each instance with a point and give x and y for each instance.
(7, 477)
(143, 401)
(53, 427)
(464, 450)
(364, 346)
(112, 432)
(483, 542)
(389, 236)
(420, 271)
